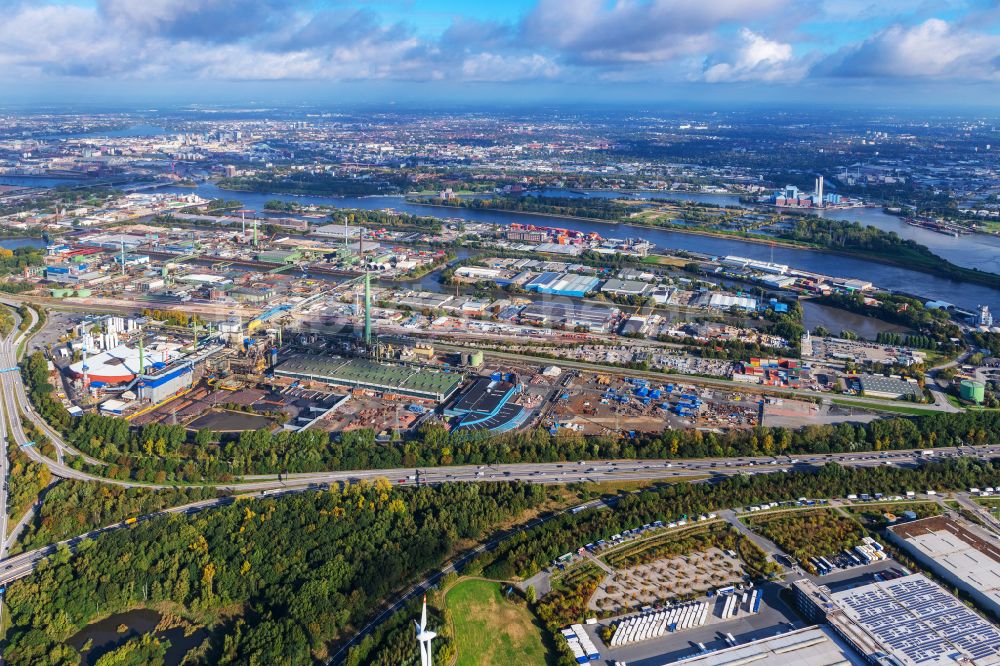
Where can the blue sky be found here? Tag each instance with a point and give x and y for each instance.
(900, 52)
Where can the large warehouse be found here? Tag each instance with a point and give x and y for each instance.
(908, 616)
(959, 552)
(809, 646)
(877, 386)
(563, 284)
(361, 373)
(571, 314)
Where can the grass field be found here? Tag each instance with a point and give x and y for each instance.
(492, 631)
(991, 503)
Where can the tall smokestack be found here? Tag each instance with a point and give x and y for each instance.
(368, 310)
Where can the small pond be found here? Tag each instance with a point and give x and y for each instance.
(106, 637)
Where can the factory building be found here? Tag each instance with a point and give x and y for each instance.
(618, 287)
(563, 284)
(383, 377)
(765, 266)
(486, 405)
(71, 273)
(726, 301)
(960, 553)
(571, 315)
(877, 386)
(121, 364)
(160, 386)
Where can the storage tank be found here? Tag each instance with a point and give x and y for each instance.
(972, 390)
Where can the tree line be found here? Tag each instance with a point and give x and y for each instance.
(524, 554)
(597, 208)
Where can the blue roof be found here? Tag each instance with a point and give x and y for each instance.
(166, 377)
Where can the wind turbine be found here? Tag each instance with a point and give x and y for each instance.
(424, 637)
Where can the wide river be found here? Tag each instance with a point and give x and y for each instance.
(888, 277)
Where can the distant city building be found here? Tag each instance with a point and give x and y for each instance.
(984, 318)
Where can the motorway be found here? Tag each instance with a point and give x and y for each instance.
(620, 470)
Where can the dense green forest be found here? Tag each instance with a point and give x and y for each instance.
(988, 341)
(142, 651)
(343, 550)
(291, 573)
(16, 260)
(598, 208)
(381, 218)
(805, 534)
(887, 246)
(323, 184)
(26, 479)
(6, 321)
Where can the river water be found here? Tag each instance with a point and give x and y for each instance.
(40, 181)
(980, 251)
(888, 277)
(13, 243)
(836, 320)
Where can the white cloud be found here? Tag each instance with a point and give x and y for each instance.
(932, 49)
(587, 41)
(498, 67)
(755, 58)
(593, 32)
